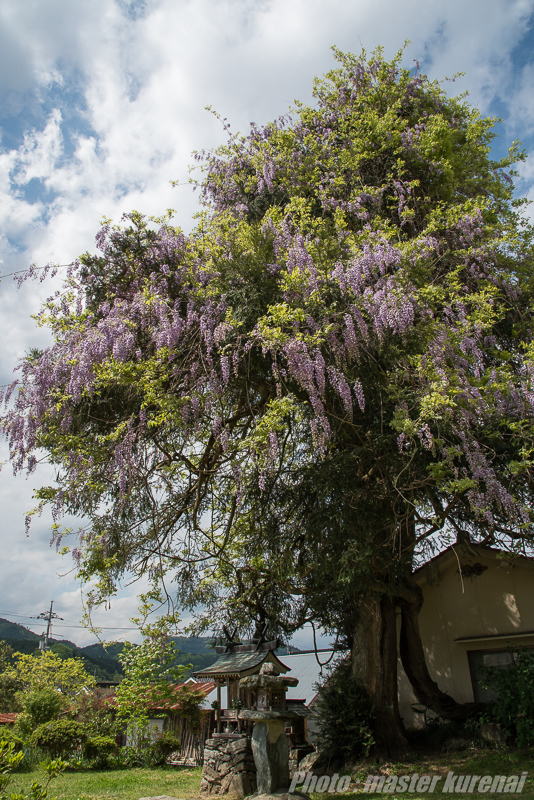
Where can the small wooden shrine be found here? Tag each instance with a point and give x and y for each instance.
(249, 751)
(237, 661)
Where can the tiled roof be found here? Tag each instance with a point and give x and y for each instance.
(7, 719)
(237, 663)
(204, 687)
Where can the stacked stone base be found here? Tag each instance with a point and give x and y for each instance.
(228, 767)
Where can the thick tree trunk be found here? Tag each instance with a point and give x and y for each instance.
(374, 664)
(413, 660)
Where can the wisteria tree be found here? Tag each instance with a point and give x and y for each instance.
(280, 411)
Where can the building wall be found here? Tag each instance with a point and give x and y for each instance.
(493, 606)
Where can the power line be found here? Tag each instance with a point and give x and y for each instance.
(48, 616)
(67, 623)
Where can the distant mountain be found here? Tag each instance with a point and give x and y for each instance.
(194, 644)
(12, 630)
(21, 640)
(103, 651)
(103, 661)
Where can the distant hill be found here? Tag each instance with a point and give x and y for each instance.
(194, 644)
(103, 661)
(99, 650)
(12, 630)
(22, 640)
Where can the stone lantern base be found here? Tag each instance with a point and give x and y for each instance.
(228, 767)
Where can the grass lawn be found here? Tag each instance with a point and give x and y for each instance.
(513, 762)
(183, 782)
(123, 784)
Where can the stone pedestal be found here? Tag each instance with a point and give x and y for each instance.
(228, 767)
(271, 755)
(270, 749)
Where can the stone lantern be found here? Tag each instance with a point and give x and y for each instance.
(269, 741)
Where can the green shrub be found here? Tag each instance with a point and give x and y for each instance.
(9, 736)
(100, 749)
(164, 745)
(345, 716)
(43, 705)
(514, 707)
(38, 707)
(60, 737)
(10, 759)
(128, 757)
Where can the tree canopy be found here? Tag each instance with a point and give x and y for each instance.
(285, 407)
(47, 670)
(149, 683)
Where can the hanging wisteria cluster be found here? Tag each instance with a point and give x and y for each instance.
(358, 280)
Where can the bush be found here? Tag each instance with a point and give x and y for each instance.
(100, 749)
(164, 745)
(345, 716)
(59, 738)
(10, 759)
(514, 707)
(129, 757)
(39, 707)
(435, 734)
(8, 736)
(43, 705)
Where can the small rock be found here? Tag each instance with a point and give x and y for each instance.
(455, 743)
(309, 761)
(492, 733)
(159, 797)
(282, 796)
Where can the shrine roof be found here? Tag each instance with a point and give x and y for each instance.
(240, 663)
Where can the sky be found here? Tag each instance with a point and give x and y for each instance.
(102, 103)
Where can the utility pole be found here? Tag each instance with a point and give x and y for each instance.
(48, 616)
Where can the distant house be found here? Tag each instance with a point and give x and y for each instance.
(173, 716)
(311, 668)
(169, 715)
(478, 604)
(8, 719)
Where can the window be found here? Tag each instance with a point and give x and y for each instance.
(480, 660)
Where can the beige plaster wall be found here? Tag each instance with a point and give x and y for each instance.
(499, 601)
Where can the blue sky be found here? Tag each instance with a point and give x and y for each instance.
(102, 103)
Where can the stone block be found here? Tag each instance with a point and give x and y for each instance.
(240, 758)
(212, 743)
(226, 781)
(224, 769)
(308, 762)
(209, 774)
(492, 734)
(240, 785)
(159, 797)
(238, 745)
